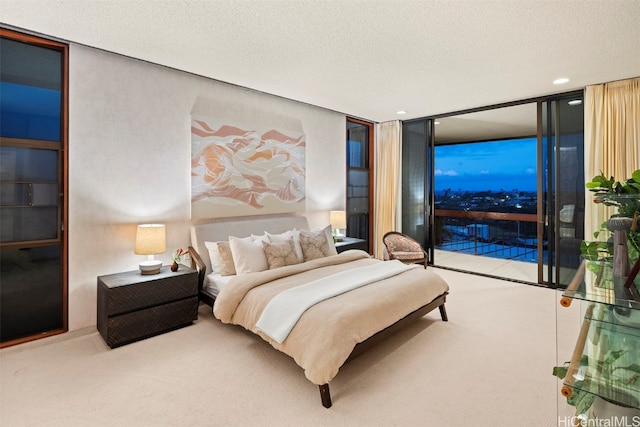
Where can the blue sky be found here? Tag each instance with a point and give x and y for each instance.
(485, 166)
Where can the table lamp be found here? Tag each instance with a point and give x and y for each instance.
(338, 220)
(150, 240)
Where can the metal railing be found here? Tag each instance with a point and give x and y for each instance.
(492, 234)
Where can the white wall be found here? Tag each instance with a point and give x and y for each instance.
(129, 159)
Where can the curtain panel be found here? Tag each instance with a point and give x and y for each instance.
(387, 182)
(611, 137)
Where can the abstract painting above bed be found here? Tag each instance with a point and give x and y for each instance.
(239, 170)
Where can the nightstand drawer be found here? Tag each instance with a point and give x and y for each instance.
(150, 321)
(126, 292)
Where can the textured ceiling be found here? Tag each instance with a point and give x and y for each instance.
(367, 59)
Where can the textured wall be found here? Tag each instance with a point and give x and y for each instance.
(129, 159)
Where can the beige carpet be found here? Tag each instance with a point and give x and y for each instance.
(490, 365)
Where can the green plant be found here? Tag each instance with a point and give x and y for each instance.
(605, 191)
(598, 249)
(582, 400)
(177, 255)
(613, 373)
(611, 366)
(604, 188)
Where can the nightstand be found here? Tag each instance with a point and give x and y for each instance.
(132, 306)
(351, 243)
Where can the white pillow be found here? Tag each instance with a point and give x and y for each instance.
(332, 245)
(248, 254)
(214, 256)
(283, 237)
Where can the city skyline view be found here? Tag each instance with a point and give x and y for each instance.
(484, 166)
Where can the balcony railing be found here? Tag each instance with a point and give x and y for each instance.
(492, 234)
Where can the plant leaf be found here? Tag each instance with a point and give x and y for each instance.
(560, 371)
(582, 401)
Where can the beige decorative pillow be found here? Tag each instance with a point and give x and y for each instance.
(280, 254)
(227, 268)
(314, 244)
(283, 237)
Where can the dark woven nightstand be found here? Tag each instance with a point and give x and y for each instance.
(351, 243)
(132, 306)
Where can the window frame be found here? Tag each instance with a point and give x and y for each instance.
(370, 167)
(63, 168)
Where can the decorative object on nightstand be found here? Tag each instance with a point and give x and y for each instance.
(132, 307)
(338, 221)
(177, 259)
(150, 240)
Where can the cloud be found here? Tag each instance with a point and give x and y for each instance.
(484, 172)
(450, 172)
(530, 171)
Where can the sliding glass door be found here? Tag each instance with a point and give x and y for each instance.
(562, 186)
(498, 191)
(417, 182)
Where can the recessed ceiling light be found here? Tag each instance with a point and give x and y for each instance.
(575, 102)
(401, 112)
(560, 81)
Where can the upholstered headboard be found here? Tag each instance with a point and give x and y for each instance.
(221, 228)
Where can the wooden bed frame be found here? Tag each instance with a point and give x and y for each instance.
(198, 263)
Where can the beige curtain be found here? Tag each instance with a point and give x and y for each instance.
(611, 137)
(387, 182)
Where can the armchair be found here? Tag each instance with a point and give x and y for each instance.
(403, 248)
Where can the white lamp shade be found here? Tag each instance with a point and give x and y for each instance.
(338, 219)
(150, 239)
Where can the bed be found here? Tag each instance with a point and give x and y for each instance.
(345, 302)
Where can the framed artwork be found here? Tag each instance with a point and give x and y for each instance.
(239, 170)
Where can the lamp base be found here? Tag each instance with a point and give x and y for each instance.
(150, 267)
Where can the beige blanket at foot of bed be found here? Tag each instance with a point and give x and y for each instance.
(326, 334)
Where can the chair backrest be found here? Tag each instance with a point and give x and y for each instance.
(395, 241)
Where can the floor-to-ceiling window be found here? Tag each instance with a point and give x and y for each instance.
(479, 181)
(33, 147)
(359, 179)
